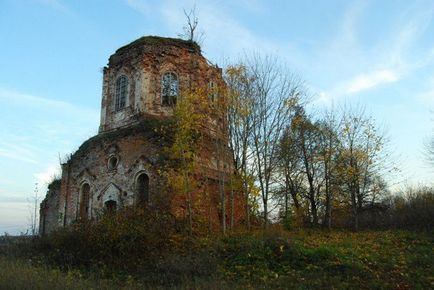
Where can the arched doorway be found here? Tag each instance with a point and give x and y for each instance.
(142, 188)
(110, 206)
(84, 201)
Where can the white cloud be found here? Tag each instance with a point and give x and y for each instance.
(45, 177)
(393, 58)
(371, 80)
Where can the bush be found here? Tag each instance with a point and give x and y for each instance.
(414, 210)
(140, 242)
(287, 221)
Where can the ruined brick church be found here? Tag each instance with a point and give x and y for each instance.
(122, 165)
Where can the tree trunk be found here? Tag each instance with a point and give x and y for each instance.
(287, 190)
(286, 205)
(232, 204)
(223, 205)
(221, 187)
(265, 216)
(189, 203)
(247, 206)
(314, 211)
(328, 203)
(355, 212)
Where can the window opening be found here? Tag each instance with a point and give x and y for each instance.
(169, 89)
(110, 206)
(212, 91)
(112, 163)
(84, 205)
(121, 92)
(142, 186)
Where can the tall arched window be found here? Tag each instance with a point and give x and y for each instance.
(169, 89)
(84, 201)
(212, 91)
(121, 92)
(142, 188)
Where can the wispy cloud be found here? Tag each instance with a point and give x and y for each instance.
(225, 35)
(357, 84)
(15, 97)
(402, 45)
(346, 40)
(371, 80)
(43, 129)
(359, 67)
(17, 152)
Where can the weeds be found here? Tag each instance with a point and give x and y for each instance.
(115, 255)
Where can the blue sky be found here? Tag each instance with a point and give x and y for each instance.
(378, 54)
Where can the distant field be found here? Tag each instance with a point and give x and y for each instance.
(276, 259)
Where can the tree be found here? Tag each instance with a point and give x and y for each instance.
(239, 95)
(190, 113)
(218, 118)
(329, 153)
(276, 94)
(309, 141)
(263, 98)
(290, 164)
(190, 32)
(360, 161)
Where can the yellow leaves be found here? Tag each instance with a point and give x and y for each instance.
(190, 114)
(176, 181)
(297, 121)
(236, 71)
(291, 102)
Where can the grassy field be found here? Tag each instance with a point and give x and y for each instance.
(274, 259)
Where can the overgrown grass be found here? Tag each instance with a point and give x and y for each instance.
(277, 258)
(334, 260)
(21, 274)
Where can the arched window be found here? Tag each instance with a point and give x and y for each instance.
(84, 201)
(142, 188)
(121, 92)
(169, 89)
